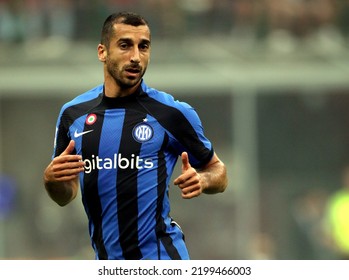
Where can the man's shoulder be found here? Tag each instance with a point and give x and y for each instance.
(165, 98)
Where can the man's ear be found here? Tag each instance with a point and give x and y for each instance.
(102, 52)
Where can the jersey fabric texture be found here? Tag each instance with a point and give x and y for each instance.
(130, 146)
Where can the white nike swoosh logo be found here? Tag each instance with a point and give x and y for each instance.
(78, 134)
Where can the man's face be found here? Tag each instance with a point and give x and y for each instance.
(128, 54)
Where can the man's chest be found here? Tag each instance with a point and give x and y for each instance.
(125, 132)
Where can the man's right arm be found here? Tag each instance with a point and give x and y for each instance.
(61, 176)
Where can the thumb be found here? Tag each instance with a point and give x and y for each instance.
(185, 162)
(69, 149)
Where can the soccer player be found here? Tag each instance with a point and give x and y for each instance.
(120, 142)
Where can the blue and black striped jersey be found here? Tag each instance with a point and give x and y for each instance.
(130, 146)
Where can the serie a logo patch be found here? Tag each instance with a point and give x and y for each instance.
(142, 132)
(91, 119)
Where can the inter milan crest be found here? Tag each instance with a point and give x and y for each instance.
(142, 132)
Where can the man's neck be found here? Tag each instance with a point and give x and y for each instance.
(113, 90)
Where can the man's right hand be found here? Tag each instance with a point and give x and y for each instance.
(65, 167)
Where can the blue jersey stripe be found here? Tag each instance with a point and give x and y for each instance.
(106, 181)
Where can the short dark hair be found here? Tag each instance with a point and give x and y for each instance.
(129, 18)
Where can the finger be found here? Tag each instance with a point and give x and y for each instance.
(63, 171)
(69, 149)
(66, 178)
(67, 158)
(68, 165)
(185, 162)
(67, 173)
(190, 181)
(177, 181)
(190, 189)
(187, 175)
(190, 194)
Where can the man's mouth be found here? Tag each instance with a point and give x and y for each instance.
(133, 70)
(132, 73)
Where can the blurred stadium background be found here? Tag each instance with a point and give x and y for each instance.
(269, 78)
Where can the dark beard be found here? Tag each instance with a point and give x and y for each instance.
(124, 83)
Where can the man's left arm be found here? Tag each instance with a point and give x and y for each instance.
(210, 179)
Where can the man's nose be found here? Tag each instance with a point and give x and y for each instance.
(135, 57)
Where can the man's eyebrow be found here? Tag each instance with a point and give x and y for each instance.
(125, 40)
(145, 41)
(129, 41)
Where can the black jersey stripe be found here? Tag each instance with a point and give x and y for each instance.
(127, 193)
(161, 234)
(90, 144)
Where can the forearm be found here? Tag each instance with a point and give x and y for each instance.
(214, 178)
(61, 176)
(62, 192)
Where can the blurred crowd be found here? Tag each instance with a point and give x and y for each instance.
(322, 219)
(23, 20)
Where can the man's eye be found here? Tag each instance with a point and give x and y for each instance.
(144, 47)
